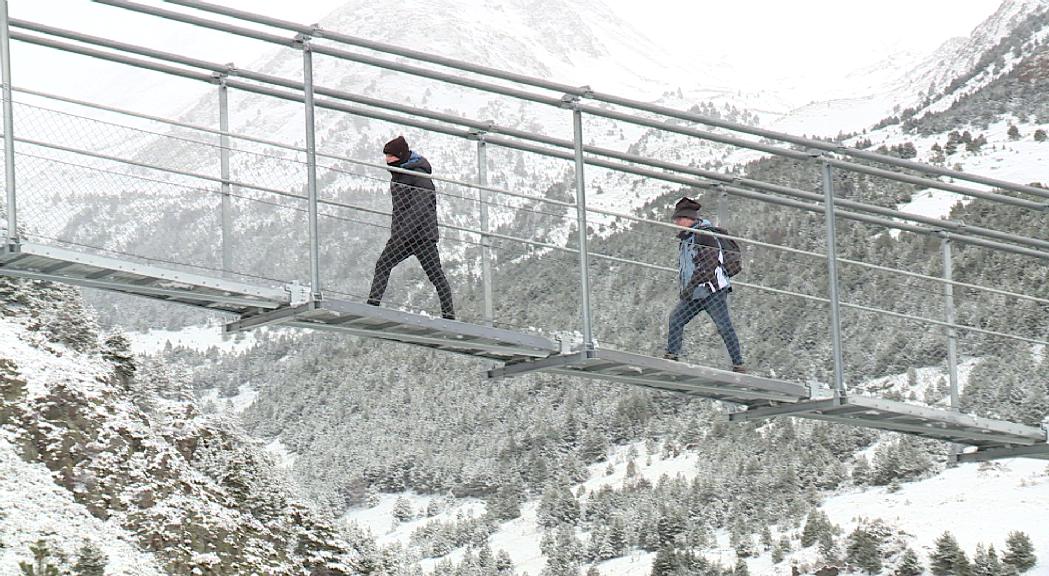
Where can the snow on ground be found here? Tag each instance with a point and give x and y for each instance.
(246, 395)
(283, 457)
(199, 337)
(977, 503)
(379, 519)
(520, 538)
(925, 378)
(651, 467)
(1022, 161)
(37, 364)
(34, 507)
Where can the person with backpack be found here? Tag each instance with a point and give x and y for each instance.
(413, 226)
(705, 263)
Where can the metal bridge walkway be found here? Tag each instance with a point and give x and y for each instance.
(519, 353)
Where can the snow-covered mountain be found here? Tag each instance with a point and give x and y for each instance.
(909, 80)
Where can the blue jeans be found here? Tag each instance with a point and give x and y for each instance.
(716, 305)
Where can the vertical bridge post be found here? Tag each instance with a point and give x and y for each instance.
(311, 166)
(486, 240)
(9, 129)
(572, 103)
(832, 274)
(952, 334)
(722, 206)
(224, 151)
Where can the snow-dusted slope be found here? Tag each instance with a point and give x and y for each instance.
(93, 447)
(34, 508)
(979, 504)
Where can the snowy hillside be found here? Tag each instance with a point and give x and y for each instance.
(980, 504)
(99, 449)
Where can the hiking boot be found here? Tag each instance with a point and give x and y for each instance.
(739, 368)
(448, 315)
(373, 302)
(669, 356)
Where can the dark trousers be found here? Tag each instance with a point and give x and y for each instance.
(716, 305)
(397, 251)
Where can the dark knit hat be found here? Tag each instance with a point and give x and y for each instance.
(398, 147)
(686, 208)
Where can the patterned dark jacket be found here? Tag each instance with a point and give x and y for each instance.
(701, 271)
(414, 202)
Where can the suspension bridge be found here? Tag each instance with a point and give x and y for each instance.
(70, 166)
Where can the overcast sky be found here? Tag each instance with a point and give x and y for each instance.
(764, 35)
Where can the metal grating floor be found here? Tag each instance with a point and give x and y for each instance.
(661, 374)
(41, 262)
(984, 433)
(359, 319)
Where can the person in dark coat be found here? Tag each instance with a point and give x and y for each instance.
(413, 229)
(703, 283)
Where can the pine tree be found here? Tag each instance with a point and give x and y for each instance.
(816, 524)
(503, 563)
(1013, 132)
(985, 562)
(948, 559)
(777, 554)
(861, 471)
(402, 510)
(90, 561)
(1039, 135)
(563, 552)
(1019, 551)
(617, 539)
(741, 568)
(827, 547)
(766, 537)
(862, 550)
(670, 524)
(665, 562)
(781, 549)
(41, 565)
(909, 564)
(505, 504)
(371, 497)
(117, 350)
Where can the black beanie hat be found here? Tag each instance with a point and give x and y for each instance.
(686, 208)
(398, 147)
